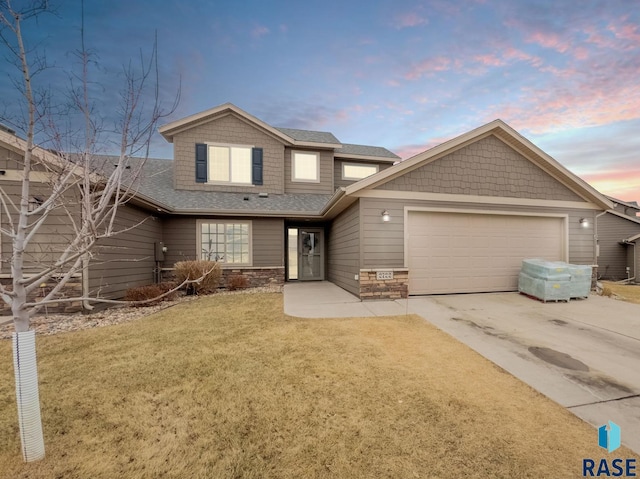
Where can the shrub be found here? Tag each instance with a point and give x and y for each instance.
(209, 272)
(166, 287)
(142, 293)
(237, 281)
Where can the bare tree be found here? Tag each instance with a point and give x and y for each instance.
(73, 184)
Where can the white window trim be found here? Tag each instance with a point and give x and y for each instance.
(228, 183)
(293, 166)
(199, 224)
(344, 163)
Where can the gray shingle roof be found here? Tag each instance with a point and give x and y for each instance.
(156, 183)
(309, 135)
(364, 150)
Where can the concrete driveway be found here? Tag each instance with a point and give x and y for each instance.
(585, 354)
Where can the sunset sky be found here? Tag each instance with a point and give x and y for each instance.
(406, 75)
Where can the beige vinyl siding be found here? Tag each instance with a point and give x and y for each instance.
(267, 239)
(127, 259)
(53, 236)
(324, 187)
(180, 239)
(344, 249)
(383, 243)
(487, 167)
(337, 170)
(268, 242)
(228, 129)
(613, 256)
(637, 257)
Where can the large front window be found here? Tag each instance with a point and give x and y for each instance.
(230, 164)
(225, 242)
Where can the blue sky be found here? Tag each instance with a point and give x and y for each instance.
(406, 75)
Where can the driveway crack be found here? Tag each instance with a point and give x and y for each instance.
(605, 401)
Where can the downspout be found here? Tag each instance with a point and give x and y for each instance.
(596, 250)
(635, 261)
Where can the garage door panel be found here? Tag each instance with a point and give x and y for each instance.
(467, 252)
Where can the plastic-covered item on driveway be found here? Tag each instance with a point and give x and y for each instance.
(550, 270)
(543, 289)
(580, 280)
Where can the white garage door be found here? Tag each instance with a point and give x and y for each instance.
(473, 253)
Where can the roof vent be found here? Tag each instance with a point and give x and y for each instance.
(263, 195)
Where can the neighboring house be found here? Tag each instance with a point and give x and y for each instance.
(618, 231)
(117, 264)
(278, 204)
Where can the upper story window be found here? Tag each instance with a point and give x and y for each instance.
(355, 171)
(231, 164)
(305, 166)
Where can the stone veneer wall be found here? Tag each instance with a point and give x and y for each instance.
(72, 289)
(372, 288)
(256, 277)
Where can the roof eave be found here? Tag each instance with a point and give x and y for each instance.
(349, 156)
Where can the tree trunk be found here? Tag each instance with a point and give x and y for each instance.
(28, 398)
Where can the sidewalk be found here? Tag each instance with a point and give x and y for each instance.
(322, 299)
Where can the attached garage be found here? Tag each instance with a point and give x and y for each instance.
(461, 216)
(472, 252)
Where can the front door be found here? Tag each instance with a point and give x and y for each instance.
(310, 257)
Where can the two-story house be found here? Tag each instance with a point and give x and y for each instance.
(280, 204)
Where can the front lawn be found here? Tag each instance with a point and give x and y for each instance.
(625, 292)
(228, 386)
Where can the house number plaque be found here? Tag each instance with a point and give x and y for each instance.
(384, 275)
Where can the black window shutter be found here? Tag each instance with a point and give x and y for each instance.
(201, 163)
(256, 165)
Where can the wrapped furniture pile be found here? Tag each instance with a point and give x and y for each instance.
(554, 280)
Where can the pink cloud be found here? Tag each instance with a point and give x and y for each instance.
(259, 31)
(427, 67)
(548, 40)
(408, 20)
(490, 60)
(409, 151)
(621, 184)
(543, 111)
(626, 31)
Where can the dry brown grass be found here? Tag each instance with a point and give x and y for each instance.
(625, 292)
(227, 386)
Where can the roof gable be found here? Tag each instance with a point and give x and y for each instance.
(486, 167)
(286, 135)
(506, 135)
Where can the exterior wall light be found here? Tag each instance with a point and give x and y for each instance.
(386, 217)
(584, 222)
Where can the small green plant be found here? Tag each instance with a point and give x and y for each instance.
(205, 274)
(237, 281)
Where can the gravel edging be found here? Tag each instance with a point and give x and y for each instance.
(46, 325)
